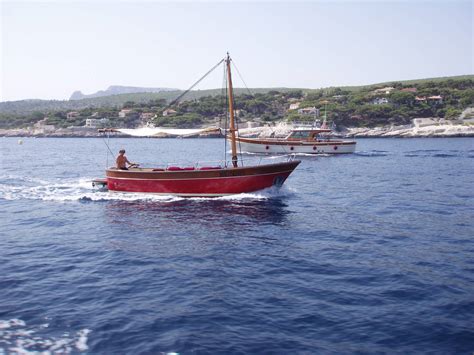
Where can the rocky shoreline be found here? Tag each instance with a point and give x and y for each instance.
(441, 131)
(416, 130)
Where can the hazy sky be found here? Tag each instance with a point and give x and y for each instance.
(50, 49)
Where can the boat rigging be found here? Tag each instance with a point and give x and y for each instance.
(203, 180)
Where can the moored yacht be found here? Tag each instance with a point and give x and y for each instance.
(300, 140)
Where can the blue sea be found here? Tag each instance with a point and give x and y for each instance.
(371, 252)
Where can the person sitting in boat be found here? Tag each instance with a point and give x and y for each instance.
(122, 161)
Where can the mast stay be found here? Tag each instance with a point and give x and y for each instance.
(230, 96)
(192, 86)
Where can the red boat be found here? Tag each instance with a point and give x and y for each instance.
(204, 181)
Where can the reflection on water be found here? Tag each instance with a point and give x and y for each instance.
(152, 215)
(187, 226)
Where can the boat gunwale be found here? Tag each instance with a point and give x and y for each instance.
(283, 141)
(201, 178)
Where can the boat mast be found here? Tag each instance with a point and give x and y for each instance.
(231, 112)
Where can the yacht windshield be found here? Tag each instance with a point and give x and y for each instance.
(300, 134)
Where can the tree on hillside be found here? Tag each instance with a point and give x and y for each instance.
(467, 98)
(402, 98)
(36, 115)
(314, 96)
(157, 102)
(256, 106)
(273, 92)
(294, 94)
(128, 104)
(452, 113)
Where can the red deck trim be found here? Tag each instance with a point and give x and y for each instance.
(199, 178)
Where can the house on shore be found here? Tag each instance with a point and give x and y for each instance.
(294, 106)
(145, 116)
(437, 99)
(309, 111)
(412, 90)
(96, 122)
(387, 90)
(72, 114)
(380, 101)
(42, 127)
(169, 112)
(125, 112)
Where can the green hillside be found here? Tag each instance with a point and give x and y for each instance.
(404, 82)
(346, 106)
(30, 106)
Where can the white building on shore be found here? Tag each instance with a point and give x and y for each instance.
(309, 111)
(96, 122)
(42, 127)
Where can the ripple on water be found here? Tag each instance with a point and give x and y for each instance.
(372, 153)
(367, 252)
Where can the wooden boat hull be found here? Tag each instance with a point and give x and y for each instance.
(280, 146)
(207, 182)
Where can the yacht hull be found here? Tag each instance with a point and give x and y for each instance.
(280, 146)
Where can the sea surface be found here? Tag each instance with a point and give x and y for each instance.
(371, 252)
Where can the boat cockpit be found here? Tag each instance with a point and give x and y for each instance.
(305, 135)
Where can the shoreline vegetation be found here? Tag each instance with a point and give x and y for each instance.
(438, 107)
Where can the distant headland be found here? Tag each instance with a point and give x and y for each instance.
(117, 90)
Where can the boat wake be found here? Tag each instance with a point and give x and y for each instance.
(20, 188)
(66, 190)
(372, 153)
(265, 194)
(435, 153)
(16, 337)
(315, 155)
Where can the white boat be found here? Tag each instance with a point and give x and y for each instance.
(300, 140)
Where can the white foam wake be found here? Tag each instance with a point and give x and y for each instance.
(16, 337)
(66, 190)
